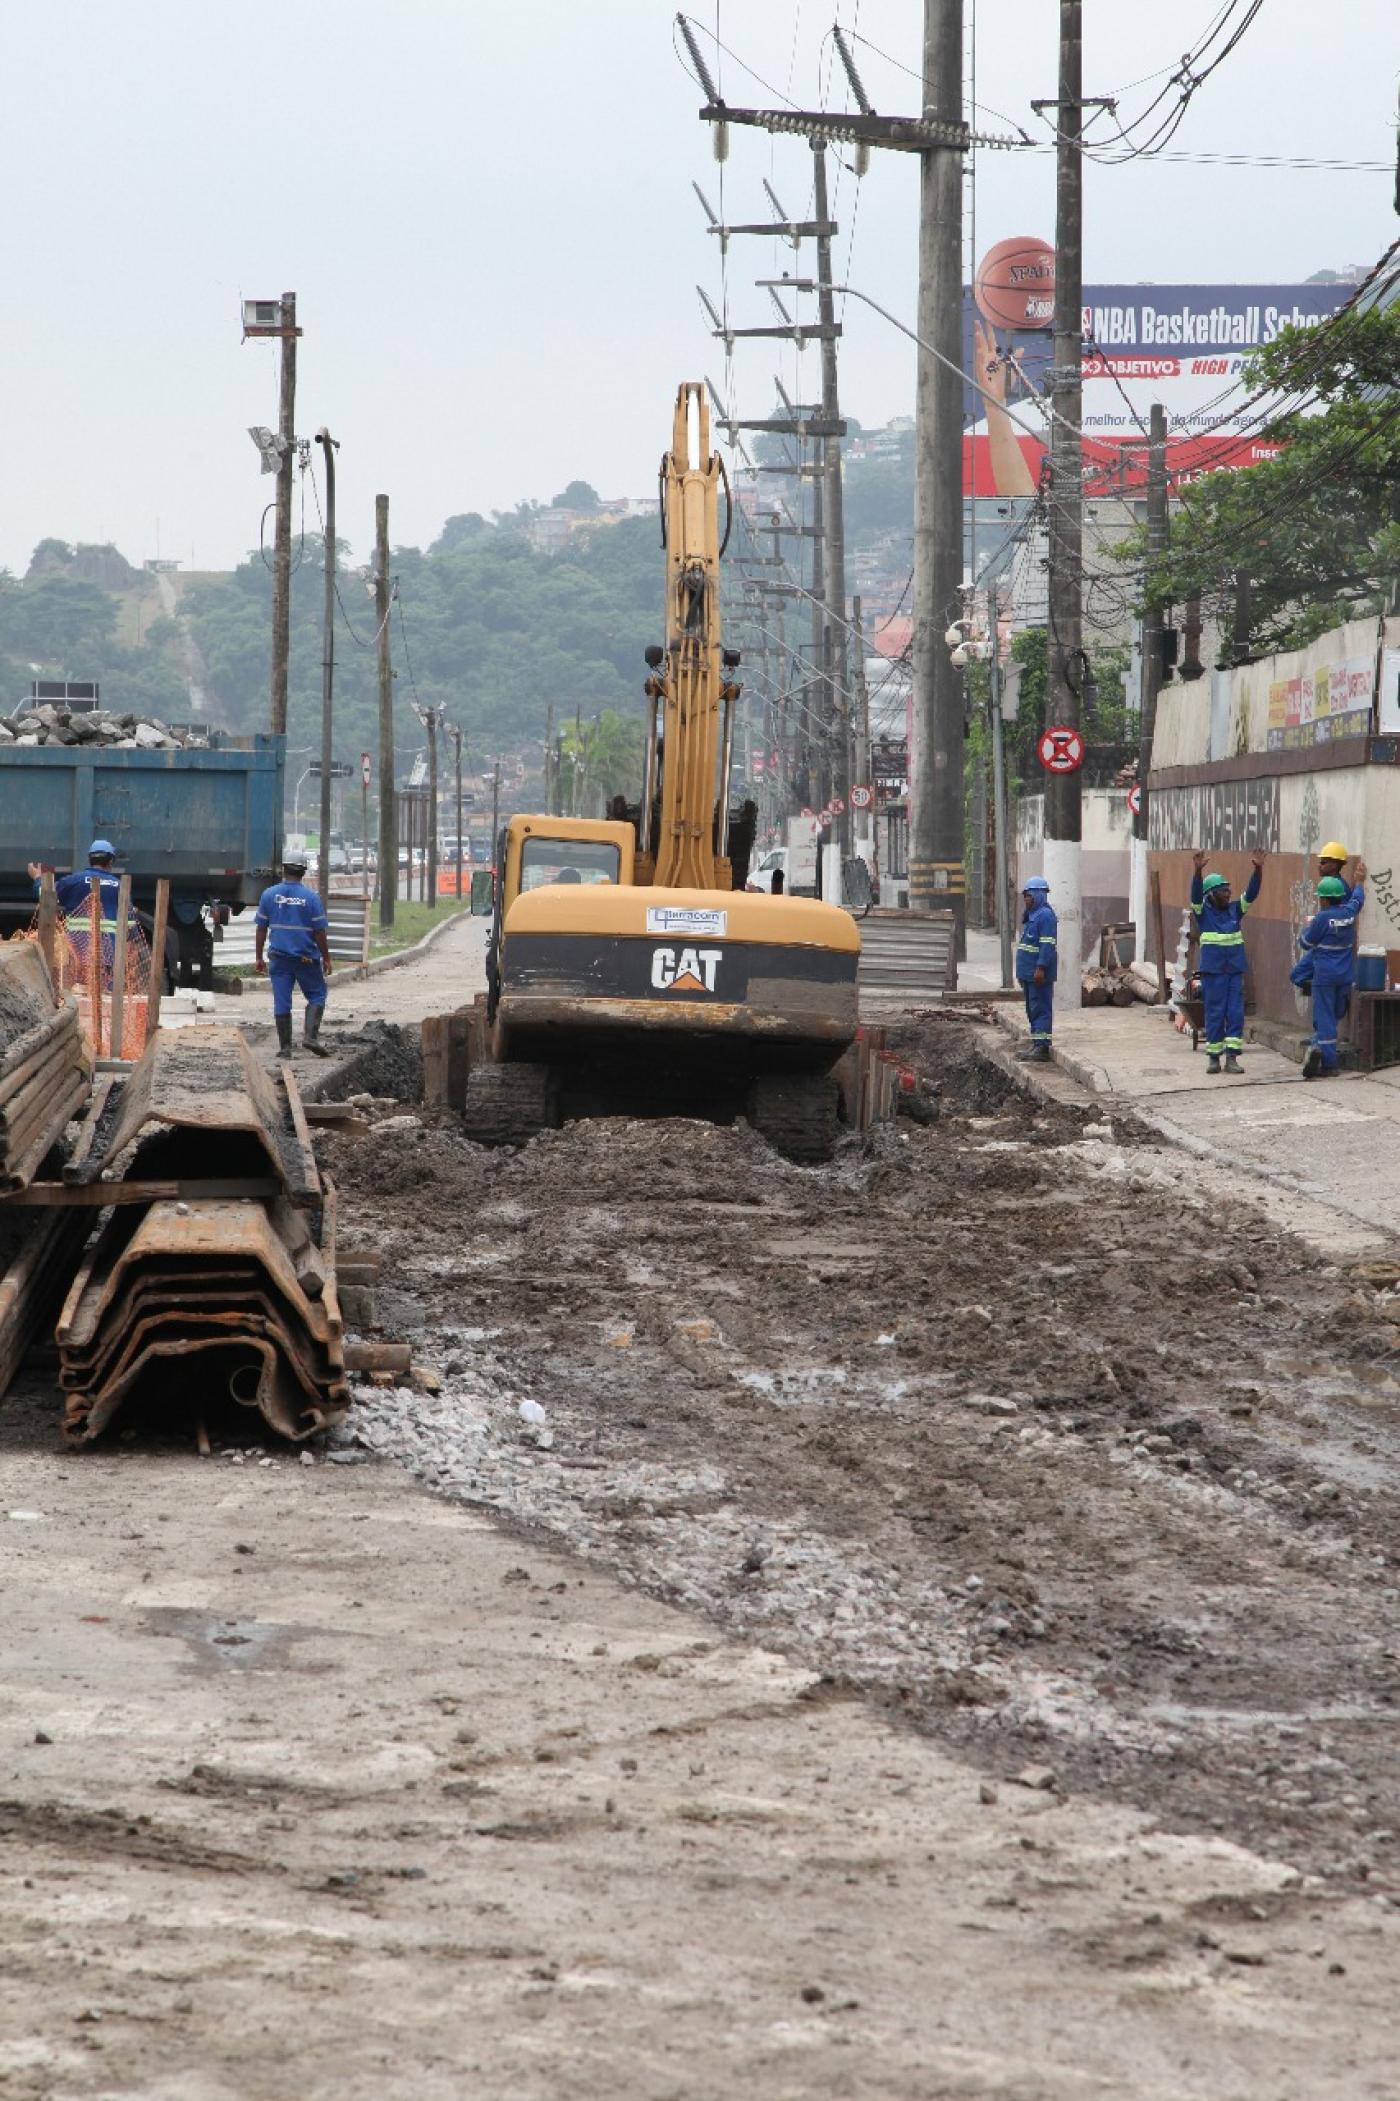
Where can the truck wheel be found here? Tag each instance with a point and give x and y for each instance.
(797, 1115)
(510, 1104)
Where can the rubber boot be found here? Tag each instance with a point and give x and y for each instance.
(284, 1035)
(1040, 1055)
(311, 1038)
(1232, 1062)
(1312, 1063)
(1212, 1063)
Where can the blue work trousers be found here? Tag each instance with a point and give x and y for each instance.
(1223, 993)
(1329, 1004)
(1040, 1009)
(286, 971)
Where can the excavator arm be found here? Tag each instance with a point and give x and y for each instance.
(688, 746)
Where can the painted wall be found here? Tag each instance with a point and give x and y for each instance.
(1284, 754)
(1107, 827)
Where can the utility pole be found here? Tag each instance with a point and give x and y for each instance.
(323, 851)
(833, 541)
(939, 136)
(1152, 666)
(549, 768)
(282, 541)
(388, 811)
(496, 802)
(364, 816)
(1000, 798)
(865, 819)
(456, 736)
(1067, 661)
(431, 852)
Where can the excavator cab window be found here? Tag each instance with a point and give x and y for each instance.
(544, 860)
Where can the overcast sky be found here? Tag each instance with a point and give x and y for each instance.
(486, 213)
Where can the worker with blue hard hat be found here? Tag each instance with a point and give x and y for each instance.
(1037, 965)
(291, 929)
(1327, 966)
(1220, 918)
(73, 891)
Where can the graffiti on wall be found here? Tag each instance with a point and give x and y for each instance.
(1302, 895)
(1219, 816)
(1383, 888)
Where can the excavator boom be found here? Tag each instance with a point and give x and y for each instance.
(692, 689)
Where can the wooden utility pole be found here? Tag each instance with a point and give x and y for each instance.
(323, 850)
(1152, 665)
(388, 813)
(282, 540)
(1067, 662)
(431, 852)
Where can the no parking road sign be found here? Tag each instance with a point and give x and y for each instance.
(1061, 750)
(1135, 798)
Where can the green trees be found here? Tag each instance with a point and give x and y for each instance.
(1317, 530)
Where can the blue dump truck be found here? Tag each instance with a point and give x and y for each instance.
(209, 819)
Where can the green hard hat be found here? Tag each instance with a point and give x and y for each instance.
(1331, 886)
(1215, 881)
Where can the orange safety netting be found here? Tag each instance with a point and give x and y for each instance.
(85, 963)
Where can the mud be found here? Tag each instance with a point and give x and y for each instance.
(1005, 1424)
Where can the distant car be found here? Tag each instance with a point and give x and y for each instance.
(771, 863)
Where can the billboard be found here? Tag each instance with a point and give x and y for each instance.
(1183, 345)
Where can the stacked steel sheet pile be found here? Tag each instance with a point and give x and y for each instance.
(227, 1290)
(45, 1076)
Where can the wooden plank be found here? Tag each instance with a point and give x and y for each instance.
(157, 984)
(379, 1356)
(311, 1173)
(434, 1033)
(1154, 883)
(94, 966)
(458, 1026)
(77, 1159)
(48, 923)
(119, 949)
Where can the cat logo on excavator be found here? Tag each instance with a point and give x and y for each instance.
(693, 970)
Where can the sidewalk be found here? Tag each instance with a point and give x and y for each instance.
(1335, 1142)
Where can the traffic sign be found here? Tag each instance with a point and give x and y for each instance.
(364, 767)
(836, 806)
(861, 798)
(340, 771)
(824, 818)
(1061, 750)
(1135, 798)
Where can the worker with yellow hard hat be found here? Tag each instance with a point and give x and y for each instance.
(1331, 858)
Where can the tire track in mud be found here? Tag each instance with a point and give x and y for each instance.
(1004, 1423)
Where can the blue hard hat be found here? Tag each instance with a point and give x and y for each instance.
(101, 846)
(1036, 882)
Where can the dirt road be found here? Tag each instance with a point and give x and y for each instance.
(939, 1642)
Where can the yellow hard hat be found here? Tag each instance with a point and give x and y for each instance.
(1333, 851)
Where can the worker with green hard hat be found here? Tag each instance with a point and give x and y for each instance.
(1220, 918)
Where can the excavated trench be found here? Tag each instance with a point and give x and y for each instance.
(1005, 1423)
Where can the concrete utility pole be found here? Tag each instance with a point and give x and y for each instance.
(1000, 798)
(1067, 663)
(936, 819)
(864, 819)
(1152, 666)
(837, 665)
(388, 812)
(323, 851)
(495, 803)
(282, 540)
(456, 735)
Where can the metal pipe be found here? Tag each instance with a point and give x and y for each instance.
(649, 776)
(726, 754)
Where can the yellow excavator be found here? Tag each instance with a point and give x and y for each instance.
(629, 972)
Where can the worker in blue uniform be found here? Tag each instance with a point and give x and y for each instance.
(74, 893)
(291, 928)
(1037, 965)
(1327, 965)
(1220, 918)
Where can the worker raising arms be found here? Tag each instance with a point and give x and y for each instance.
(1220, 918)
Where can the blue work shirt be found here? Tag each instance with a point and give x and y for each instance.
(1328, 942)
(1222, 927)
(1036, 949)
(73, 891)
(293, 914)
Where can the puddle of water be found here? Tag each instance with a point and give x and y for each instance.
(226, 1642)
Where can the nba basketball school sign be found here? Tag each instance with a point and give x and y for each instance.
(1183, 345)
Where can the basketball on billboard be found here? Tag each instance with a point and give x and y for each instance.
(1015, 284)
